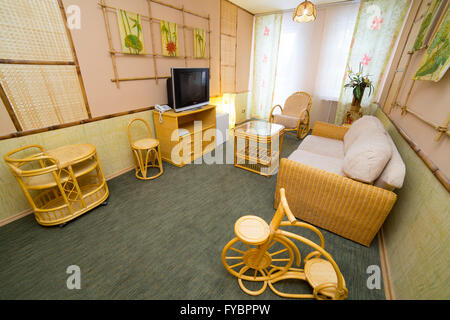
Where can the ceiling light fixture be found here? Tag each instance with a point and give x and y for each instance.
(305, 12)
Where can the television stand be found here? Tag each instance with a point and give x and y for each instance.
(189, 140)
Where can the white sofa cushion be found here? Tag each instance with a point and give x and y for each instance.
(318, 161)
(289, 122)
(367, 156)
(366, 124)
(394, 173)
(323, 146)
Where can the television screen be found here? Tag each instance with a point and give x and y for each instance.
(188, 88)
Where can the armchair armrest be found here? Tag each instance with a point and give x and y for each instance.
(349, 208)
(271, 111)
(328, 130)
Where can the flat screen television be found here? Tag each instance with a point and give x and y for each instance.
(188, 88)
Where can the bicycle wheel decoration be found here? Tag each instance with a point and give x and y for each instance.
(264, 253)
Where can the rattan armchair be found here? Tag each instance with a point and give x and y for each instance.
(295, 116)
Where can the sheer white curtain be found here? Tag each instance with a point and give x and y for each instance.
(313, 56)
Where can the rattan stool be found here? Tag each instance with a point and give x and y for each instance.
(146, 153)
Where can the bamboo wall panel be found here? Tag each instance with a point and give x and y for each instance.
(228, 18)
(184, 31)
(40, 80)
(43, 96)
(420, 108)
(33, 30)
(228, 46)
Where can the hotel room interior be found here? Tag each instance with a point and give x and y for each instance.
(224, 149)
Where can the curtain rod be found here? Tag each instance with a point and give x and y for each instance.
(319, 6)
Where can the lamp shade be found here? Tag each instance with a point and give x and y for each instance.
(305, 12)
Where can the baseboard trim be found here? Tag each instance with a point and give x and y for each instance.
(388, 289)
(26, 212)
(15, 217)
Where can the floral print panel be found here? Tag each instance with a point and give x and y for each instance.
(267, 38)
(169, 38)
(377, 27)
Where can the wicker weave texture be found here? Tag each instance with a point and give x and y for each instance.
(228, 18)
(328, 130)
(351, 209)
(33, 30)
(42, 96)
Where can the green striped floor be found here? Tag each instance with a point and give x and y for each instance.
(159, 239)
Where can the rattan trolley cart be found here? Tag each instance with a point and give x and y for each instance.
(59, 184)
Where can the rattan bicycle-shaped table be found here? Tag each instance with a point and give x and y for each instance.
(264, 253)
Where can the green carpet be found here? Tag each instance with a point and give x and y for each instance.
(159, 239)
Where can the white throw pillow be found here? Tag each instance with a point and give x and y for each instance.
(367, 156)
(394, 173)
(366, 124)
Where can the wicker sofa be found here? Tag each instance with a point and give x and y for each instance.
(342, 179)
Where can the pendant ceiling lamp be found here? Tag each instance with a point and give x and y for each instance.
(305, 12)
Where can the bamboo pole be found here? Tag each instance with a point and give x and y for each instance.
(75, 59)
(37, 62)
(442, 178)
(139, 78)
(111, 49)
(405, 105)
(394, 101)
(443, 129)
(152, 35)
(71, 124)
(184, 36)
(209, 45)
(393, 104)
(177, 8)
(155, 55)
(9, 109)
(235, 52)
(149, 18)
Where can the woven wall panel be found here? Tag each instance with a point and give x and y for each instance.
(33, 30)
(228, 50)
(228, 18)
(228, 79)
(42, 96)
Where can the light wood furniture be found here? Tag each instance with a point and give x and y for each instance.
(59, 184)
(146, 152)
(186, 136)
(346, 207)
(295, 115)
(257, 146)
(264, 253)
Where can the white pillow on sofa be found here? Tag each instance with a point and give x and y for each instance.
(366, 124)
(367, 156)
(394, 173)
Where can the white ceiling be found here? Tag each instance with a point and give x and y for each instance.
(264, 6)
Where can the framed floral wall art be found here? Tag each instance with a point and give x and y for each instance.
(169, 39)
(424, 31)
(130, 28)
(199, 43)
(436, 59)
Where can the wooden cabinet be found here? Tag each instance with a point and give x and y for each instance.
(185, 136)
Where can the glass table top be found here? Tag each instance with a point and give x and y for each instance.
(259, 128)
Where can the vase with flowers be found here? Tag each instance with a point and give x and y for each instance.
(359, 82)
